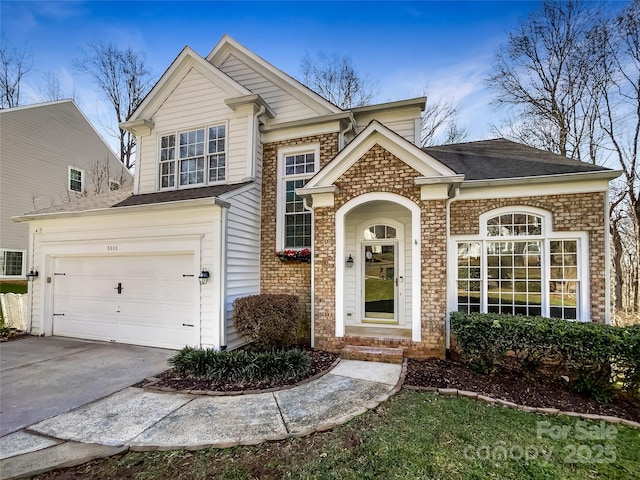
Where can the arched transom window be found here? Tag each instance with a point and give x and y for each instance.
(520, 266)
(379, 232)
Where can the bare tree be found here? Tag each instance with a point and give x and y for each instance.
(14, 65)
(439, 122)
(571, 76)
(123, 77)
(541, 75)
(335, 78)
(619, 71)
(50, 89)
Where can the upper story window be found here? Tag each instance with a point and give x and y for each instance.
(76, 179)
(194, 157)
(297, 165)
(520, 266)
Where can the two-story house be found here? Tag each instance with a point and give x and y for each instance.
(240, 166)
(49, 153)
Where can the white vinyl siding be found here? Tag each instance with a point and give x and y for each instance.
(286, 105)
(243, 253)
(195, 103)
(44, 140)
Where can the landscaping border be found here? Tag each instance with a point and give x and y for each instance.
(452, 392)
(150, 384)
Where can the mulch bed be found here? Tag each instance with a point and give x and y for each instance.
(505, 384)
(511, 385)
(320, 362)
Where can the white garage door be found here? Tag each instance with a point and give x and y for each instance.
(142, 299)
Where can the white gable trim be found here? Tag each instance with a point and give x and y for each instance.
(377, 134)
(227, 46)
(187, 59)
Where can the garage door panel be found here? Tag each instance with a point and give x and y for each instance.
(156, 300)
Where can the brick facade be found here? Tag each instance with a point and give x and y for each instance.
(380, 171)
(582, 212)
(288, 277)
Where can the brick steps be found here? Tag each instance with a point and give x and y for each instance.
(372, 354)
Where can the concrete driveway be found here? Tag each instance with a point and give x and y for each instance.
(41, 377)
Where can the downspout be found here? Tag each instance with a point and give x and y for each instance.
(342, 139)
(607, 261)
(450, 200)
(223, 278)
(313, 271)
(136, 178)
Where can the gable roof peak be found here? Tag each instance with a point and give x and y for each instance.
(228, 46)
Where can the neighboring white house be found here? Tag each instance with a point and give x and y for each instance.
(49, 154)
(247, 181)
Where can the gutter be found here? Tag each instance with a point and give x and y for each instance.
(558, 177)
(197, 202)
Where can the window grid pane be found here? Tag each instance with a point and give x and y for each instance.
(297, 219)
(75, 180)
(514, 224)
(299, 164)
(191, 154)
(167, 161)
(469, 276)
(11, 263)
(514, 277)
(564, 286)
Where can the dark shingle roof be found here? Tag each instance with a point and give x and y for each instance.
(500, 158)
(178, 195)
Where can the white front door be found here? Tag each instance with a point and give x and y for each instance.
(138, 299)
(380, 283)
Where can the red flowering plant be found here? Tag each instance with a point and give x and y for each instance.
(303, 255)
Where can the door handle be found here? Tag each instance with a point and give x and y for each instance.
(119, 288)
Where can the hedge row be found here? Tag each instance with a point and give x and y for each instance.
(241, 366)
(595, 357)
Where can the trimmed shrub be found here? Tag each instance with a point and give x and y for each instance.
(241, 366)
(267, 320)
(594, 356)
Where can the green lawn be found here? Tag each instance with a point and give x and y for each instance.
(13, 287)
(412, 436)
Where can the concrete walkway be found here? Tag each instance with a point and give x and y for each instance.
(139, 419)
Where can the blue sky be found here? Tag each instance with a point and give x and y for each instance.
(402, 46)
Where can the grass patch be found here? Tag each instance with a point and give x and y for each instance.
(413, 435)
(13, 287)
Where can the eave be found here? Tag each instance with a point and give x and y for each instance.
(154, 207)
(539, 179)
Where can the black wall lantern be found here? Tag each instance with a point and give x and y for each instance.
(350, 261)
(204, 276)
(33, 273)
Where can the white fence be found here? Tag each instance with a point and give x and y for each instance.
(14, 310)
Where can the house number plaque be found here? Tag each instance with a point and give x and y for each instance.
(112, 248)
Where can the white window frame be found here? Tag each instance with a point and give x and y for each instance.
(282, 178)
(82, 179)
(23, 271)
(176, 160)
(583, 302)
